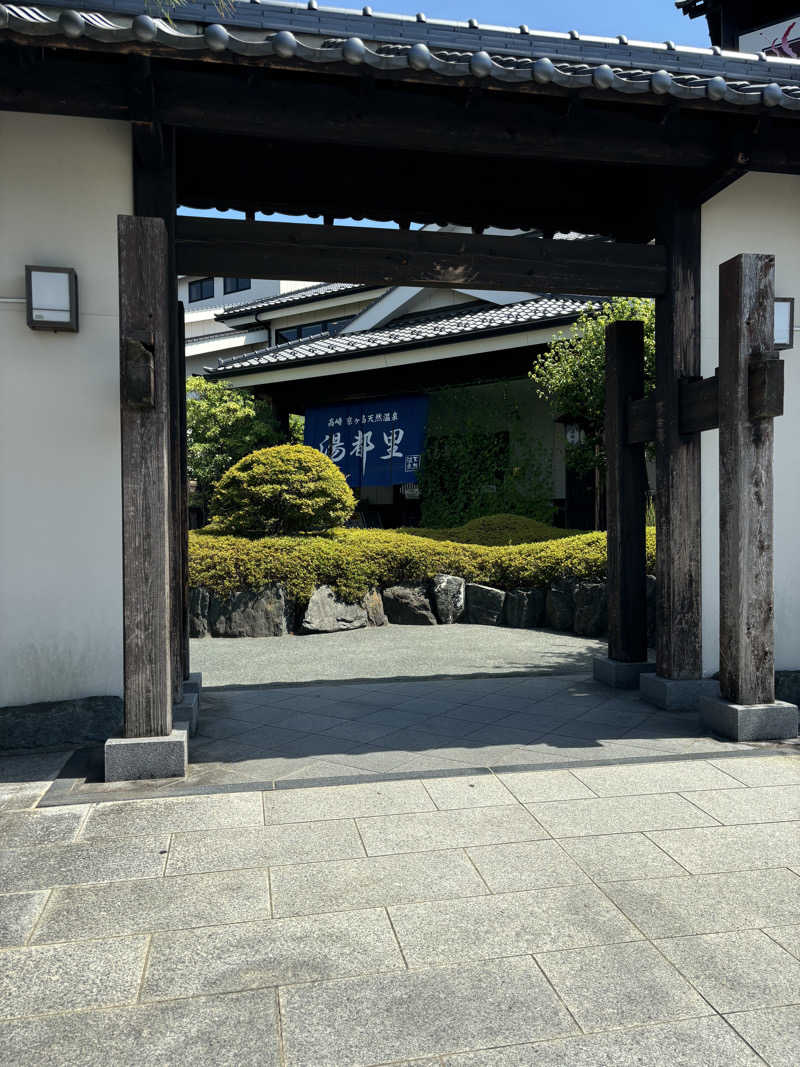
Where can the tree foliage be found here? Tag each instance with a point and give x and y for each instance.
(223, 425)
(571, 376)
(282, 490)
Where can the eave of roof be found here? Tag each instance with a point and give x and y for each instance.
(308, 295)
(452, 325)
(281, 32)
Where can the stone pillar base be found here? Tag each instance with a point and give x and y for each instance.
(131, 759)
(677, 694)
(617, 674)
(749, 722)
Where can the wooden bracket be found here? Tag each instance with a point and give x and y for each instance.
(698, 406)
(138, 374)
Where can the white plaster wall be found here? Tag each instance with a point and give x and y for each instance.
(758, 213)
(62, 184)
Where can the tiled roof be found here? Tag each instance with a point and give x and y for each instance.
(297, 296)
(441, 326)
(287, 33)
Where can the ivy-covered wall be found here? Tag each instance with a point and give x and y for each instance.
(490, 448)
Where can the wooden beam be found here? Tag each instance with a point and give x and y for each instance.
(154, 197)
(678, 624)
(626, 481)
(698, 402)
(416, 257)
(144, 415)
(746, 643)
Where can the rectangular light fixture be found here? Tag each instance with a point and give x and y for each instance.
(784, 322)
(51, 295)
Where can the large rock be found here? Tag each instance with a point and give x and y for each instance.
(448, 596)
(264, 613)
(198, 611)
(560, 605)
(524, 608)
(373, 605)
(327, 614)
(408, 605)
(591, 609)
(484, 604)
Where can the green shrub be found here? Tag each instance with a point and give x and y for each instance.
(494, 530)
(282, 490)
(353, 561)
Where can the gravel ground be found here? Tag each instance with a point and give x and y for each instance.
(391, 652)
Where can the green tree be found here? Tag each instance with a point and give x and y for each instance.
(570, 374)
(223, 425)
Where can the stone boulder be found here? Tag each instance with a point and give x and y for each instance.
(327, 614)
(560, 605)
(373, 605)
(449, 597)
(198, 611)
(524, 608)
(591, 609)
(263, 613)
(408, 605)
(484, 604)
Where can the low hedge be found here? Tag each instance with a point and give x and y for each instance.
(494, 530)
(353, 561)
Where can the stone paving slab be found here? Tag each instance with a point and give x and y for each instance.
(508, 924)
(655, 778)
(346, 802)
(253, 955)
(463, 791)
(581, 818)
(376, 881)
(620, 857)
(130, 818)
(774, 1033)
(788, 937)
(236, 1030)
(35, 981)
(376, 1020)
(771, 803)
(226, 850)
(154, 904)
(385, 834)
(697, 1043)
(710, 850)
(525, 865)
(620, 985)
(736, 971)
(18, 915)
(762, 770)
(709, 903)
(530, 786)
(20, 829)
(83, 862)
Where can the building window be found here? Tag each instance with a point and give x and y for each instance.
(310, 329)
(235, 285)
(202, 289)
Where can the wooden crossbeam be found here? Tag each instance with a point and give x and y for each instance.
(417, 257)
(698, 404)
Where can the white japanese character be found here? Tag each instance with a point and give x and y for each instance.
(387, 417)
(349, 420)
(338, 451)
(331, 422)
(395, 416)
(392, 439)
(362, 446)
(370, 418)
(379, 417)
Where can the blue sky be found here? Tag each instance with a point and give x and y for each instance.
(642, 20)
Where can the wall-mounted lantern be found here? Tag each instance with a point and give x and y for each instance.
(784, 322)
(51, 295)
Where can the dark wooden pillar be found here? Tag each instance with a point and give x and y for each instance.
(746, 336)
(155, 197)
(625, 497)
(144, 416)
(678, 622)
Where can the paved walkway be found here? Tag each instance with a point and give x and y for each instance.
(636, 907)
(391, 652)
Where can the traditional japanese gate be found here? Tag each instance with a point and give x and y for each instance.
(741, 400)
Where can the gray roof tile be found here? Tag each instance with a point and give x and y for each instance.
(309, 294)
(440, 326)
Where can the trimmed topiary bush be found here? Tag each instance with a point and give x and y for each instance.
(494, 530)
(282, 490)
